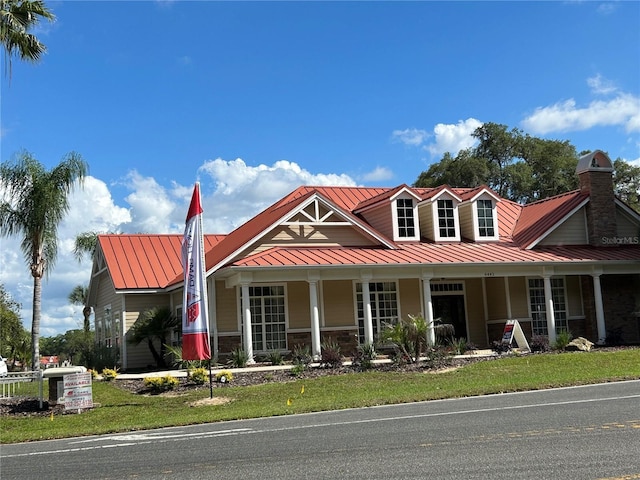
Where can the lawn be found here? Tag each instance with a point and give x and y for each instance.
(118, 410)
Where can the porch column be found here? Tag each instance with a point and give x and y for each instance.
(507, 295)
(246, 322)
(316, 351)
(548, 300)
(368, 317)
(428, 310)
(597, 296)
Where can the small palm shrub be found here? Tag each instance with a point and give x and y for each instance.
(364, 356)
(161, 384)
(331, 357)
(224, 376)
(109, 374)
(239, 358)
(458, 345)
(198, 375)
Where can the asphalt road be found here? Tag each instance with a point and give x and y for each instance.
(588, 432)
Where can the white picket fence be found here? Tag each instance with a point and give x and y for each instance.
(11, 382)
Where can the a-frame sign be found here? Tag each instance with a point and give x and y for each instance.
(513, 330)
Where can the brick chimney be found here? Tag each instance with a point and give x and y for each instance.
(595, 172)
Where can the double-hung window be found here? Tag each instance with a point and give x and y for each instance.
(538, 306)
(406, 220)
(383, 297)
(268, 318)
(446, 219)
(486, 226)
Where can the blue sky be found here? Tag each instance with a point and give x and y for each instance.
(255, 98)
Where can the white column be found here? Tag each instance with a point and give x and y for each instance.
(246, 322)
(315, 320)
(368, 317)
(507, 295)
(551, 318)
(428, 310)
(597, 296)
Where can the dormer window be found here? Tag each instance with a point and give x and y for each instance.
(406, 218)
(486, 227)
(446, 219)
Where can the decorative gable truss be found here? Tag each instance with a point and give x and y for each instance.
(318, 222)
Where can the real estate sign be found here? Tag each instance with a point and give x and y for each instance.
(78, 393)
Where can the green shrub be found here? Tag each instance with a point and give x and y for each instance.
(275, 358)
(539, 343)
(330, 356)
(224, 376)
(297, 369)
(161, 384)
(562, 340)
(239, 358)
(301, 355)
(109, 374)
(364, 356)
(458, 345)
(198, 375)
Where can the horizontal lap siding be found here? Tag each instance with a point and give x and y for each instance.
(410, 300)
(226, 308)
(298, 305)
(381, 219)
(338, 304)
(476, 325)
(572, 232)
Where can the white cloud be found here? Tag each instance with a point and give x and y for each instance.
(242, 190)
(378, 174)
(153, 207)
(453, 137)
(620, 109)
(410, 136)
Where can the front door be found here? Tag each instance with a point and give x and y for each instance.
(450, 309)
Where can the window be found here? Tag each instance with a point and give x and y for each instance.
(538, 307)
(446, 219)
(406, 222)
(107, 326)
(485, 218)
(384, 306)
(268, 319)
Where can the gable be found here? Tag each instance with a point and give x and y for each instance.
(573, 231)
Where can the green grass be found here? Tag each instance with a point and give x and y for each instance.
(118, 410)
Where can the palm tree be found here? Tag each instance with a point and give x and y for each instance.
(78, 296)
(17, 19)
(86, 243)
(155, 324)
(35, 202)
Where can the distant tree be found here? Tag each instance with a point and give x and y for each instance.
(626, 181)
(74, 345)
(17, 19)
(517, 166)
(14, 338)
(35, 202)
(79, 296)
(155, 324)
(464, 170)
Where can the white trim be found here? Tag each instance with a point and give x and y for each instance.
(396, 226)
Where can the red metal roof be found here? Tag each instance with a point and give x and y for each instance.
(538, 217)
(145, 261)
(154, 261)
(425, 254)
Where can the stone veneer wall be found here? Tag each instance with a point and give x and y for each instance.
(601, 209)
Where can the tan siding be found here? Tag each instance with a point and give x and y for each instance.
(410, 303)
(496, 298)
(518, 293)
(571, 232)
(425, 216)
(465, 212)
(226, 308)
(298, 305)
(381, 219)
(476, 326)
(574, 296)
(625, 226)
(338, 305)
(139, 356)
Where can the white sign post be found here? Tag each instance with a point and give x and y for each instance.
(78, 393)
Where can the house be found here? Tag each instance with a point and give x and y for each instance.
(341, 262)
